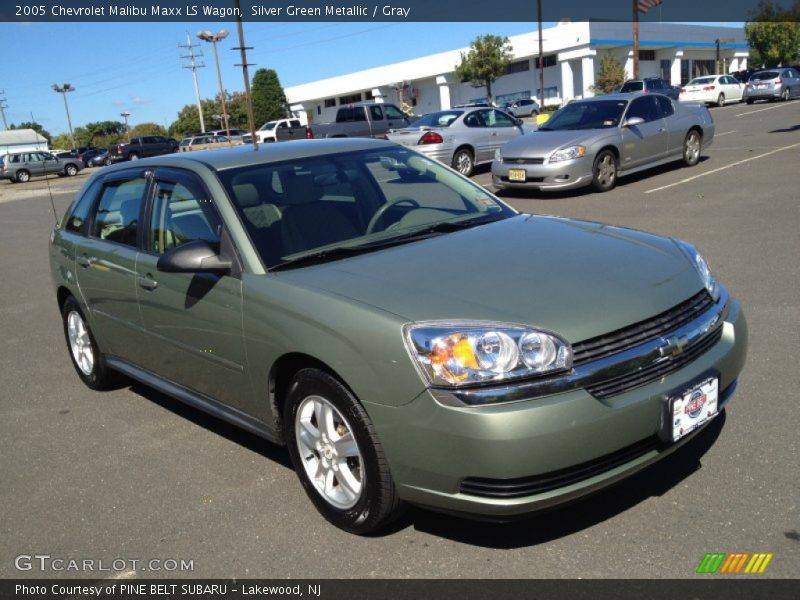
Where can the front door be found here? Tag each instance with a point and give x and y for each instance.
(193, 320)
(647, 141)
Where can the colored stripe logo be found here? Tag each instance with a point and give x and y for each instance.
(734, 563)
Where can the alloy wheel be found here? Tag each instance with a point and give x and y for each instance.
(79, 343)
(691, 148)
(463, 163)
(606, 171)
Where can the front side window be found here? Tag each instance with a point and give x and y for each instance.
(645, 108)
(595, 114)
(181, 213)
(117, 216)
(79, 212)
(496, 118)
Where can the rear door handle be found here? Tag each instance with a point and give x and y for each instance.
(147, 282)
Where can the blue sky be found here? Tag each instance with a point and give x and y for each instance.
(135, 67)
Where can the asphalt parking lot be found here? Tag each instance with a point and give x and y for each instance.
(133, 474)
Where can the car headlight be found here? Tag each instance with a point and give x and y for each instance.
(702, 268)
(459, 353)
(568, 153)
(498, 156)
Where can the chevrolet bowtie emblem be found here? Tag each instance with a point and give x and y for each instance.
(674, 345)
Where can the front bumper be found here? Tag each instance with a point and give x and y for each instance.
(433, 448)
(562, 175)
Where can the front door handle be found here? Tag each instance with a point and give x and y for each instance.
(85, 261)
(147, 282)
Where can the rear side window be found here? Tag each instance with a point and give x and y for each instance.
(117, 215)
(79, 212)
(666, 106)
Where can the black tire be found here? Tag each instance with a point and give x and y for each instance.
(23, 176)
(785, 94)
(100, 376)
(721, 100)
(749, 100)
(70, 170)
(464, 162)
(604, 171)
(378, 503)
(692, 146)
(133, 156)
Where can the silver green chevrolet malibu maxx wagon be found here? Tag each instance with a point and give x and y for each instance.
(407, 335)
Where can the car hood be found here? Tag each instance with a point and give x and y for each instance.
(576, 278)
(541, 143)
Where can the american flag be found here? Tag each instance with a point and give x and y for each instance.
(645, 5)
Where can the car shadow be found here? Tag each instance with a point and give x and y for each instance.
(552, 524)
(587, 190)
(275, 453)
(786, 129)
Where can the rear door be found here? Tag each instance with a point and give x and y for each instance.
(193, 321)
(500, 128)
(647, 141)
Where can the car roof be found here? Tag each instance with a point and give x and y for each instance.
(244, 155)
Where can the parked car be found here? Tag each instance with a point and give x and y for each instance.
(773, 84)
(142, 147)
(19, 167)
(650, 84)
(361, 120)
(460, 138)
(523, 108)
(474, 105)
(596, 140)
(281, 130)
(87, 155)
(713, 89)
(407, 335)
(100, 159)
(236, 135)
(206, 142)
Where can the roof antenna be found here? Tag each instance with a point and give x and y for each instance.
(46, 178)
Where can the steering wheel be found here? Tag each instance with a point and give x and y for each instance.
(373, 222)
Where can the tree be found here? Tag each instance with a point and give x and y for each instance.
(61, 142)
(774, 33)
(99, 133)
(35, 126)
(269, 99)
(147, 129)
(610, 77)
(487, 59)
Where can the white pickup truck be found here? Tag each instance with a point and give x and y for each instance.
(281, 130)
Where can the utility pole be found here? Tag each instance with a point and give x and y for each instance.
(244, 64)
(635, 39)
(3, 107)
(214, 39)
(193, 65)
(63, 89)
(541, 58)
(125, 116)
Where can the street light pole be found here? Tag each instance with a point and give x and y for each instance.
(213, 38)
(125, 116)
(63, 89)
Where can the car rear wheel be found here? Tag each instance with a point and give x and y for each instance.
(785, 94)
(107, 162)
(71, 170)
(87, 359)
(463, 162)
(691, 148)
(337, 455)
(23, 176)
(133, 156)
(721, 100)
(604, 171)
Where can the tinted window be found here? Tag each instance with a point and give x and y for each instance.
(496, 118)
(181, 213)
(392, 113)
(344, 115)
(763, 75)
(473, 119)
(632, 86)
(438, 119)
(359, 114)
(645, 108)
(295, 123)
(375, 113)
(117, 215)
(666, 106)
(79, 212)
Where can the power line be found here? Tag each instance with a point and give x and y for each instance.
(194, 65)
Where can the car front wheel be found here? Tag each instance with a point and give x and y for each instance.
(133, 156)
(71, 170)
(604, 171)
(691, 148)
(337, 454)
(87, 359)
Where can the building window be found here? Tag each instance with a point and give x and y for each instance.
(647, 54)
(319, 109)
(666, 70)
(550, 93)
(330, 102)
(350, 98)
(518, 67)
(549, 60)
(368, 95)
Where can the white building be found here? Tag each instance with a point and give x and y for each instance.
(572, 53)
(21, 140)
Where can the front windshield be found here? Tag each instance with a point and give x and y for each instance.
(304, 206)
(596, 114)
(443, 118)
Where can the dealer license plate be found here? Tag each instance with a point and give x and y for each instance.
(516, 174)
(694, 407)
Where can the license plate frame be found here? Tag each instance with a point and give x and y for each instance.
(690, 407)
(517, 175)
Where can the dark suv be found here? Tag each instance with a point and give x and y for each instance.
(142, 147)
(651, 84)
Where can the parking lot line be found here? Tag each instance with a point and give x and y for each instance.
(717, 170)
(725, 133)
(750, 112)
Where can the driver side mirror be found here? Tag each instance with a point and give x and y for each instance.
(197, 256)
(633, 122)
(518, 122)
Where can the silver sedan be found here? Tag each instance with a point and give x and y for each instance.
(460, 137)
(595, 141)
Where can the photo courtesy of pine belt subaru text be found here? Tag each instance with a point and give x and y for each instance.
(408, 336)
